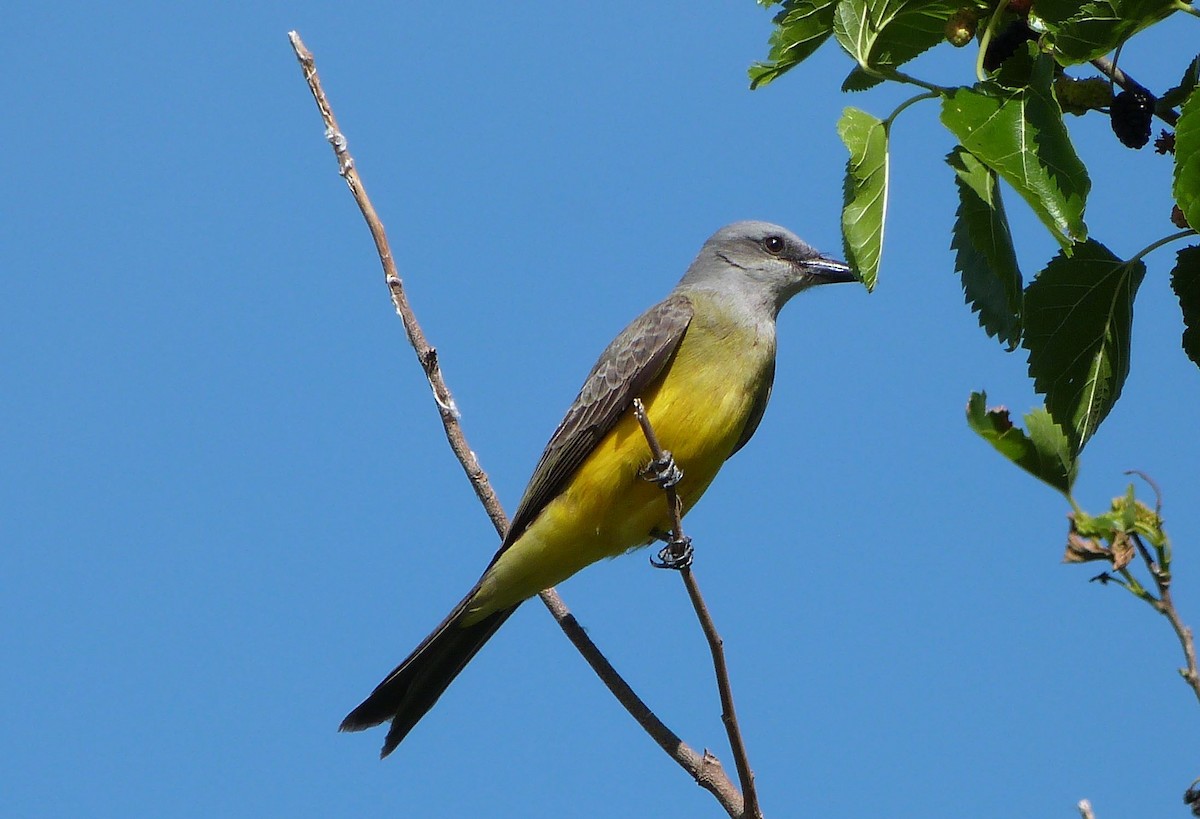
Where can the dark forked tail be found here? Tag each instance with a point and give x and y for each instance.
(414, 686)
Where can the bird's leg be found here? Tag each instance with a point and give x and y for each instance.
(662, 471)
(665, 473)
(677, 554)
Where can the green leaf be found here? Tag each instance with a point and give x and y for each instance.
(1020, 135)
(1084, 31)
(864, 192)
(1191, 78)
(1056, 460)
(983, 248)
(1078, 315)
(1100, 526)
(859, 80)
(1018, 70)
(883, 34)
(1044, 453)
(1185, 281)
(1187, 159)
(800, 28)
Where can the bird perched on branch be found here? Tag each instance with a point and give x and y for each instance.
(702, 361)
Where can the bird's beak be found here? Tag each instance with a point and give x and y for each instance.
(829, 271)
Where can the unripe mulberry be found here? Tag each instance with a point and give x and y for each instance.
(1080, 96)
(1131, 113)
(960, 28)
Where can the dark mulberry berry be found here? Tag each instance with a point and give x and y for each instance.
(1005, 44)
(1191, 797)
(1131, 113)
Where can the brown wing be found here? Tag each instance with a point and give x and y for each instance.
(629, 364)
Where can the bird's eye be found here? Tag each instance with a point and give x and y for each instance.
(773, 244)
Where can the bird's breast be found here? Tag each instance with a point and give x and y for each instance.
(701, 405)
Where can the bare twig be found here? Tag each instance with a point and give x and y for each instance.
(426, 354)
(1109, 69)
(716, 646)
(1164, 604)
(728, 714)
(1166, 607)
(705, 769)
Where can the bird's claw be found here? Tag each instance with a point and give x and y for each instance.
(662, 471)
(677, 554)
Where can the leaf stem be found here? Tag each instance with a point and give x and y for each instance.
(1074, 504)
(1165, 240)
(900, 76)
(1190, 9)
(986, 39)
(928, 95)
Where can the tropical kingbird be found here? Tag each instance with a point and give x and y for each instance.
(702, 361)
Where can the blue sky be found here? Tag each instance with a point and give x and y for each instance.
(229, 507)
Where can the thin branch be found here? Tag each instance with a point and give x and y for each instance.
(715, 644)
(728, 714)
(426, 354)
(705, 769)
(1166, 606)
(1154, 568)
(660, 455)
(1109, 69)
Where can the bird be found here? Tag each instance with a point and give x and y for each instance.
(702, 362)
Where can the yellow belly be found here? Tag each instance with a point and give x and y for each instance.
(698, 407)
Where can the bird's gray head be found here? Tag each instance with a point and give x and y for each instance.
(761, 261)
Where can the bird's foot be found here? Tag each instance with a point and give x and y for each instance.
(677, 554)
(662, 471)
